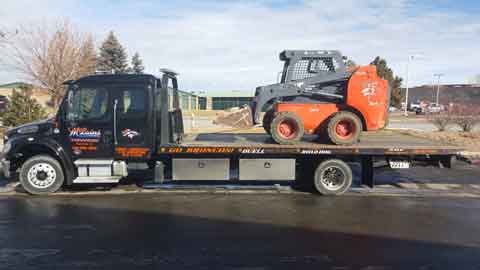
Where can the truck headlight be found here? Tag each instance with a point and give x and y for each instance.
(6, 148)
(27, 130)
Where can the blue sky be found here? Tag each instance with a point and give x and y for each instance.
(233, 45)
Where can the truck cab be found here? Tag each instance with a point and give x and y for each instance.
(104, 122)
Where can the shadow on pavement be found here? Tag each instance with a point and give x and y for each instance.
(111, 233)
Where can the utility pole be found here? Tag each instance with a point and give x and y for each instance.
(438, 75)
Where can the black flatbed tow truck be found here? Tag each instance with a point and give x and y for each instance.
(109, 123)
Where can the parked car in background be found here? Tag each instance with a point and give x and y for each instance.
(419, 110)
(435, 108)
(414, 107)
(3, 103)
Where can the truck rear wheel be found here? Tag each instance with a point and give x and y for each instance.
(333, 177)
(344, 128)
(286, 128)
(41, 175)
(267, 120)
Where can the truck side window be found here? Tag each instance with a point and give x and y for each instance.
(88, 104)
(134, 102)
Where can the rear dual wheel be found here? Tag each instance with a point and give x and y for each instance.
(333, 177)
(286, 128)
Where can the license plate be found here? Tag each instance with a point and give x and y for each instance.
(395, 164)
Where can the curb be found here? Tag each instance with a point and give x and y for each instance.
(7, 187)
(470, 157)
(10, 189)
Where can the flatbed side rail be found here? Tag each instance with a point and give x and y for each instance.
(262, 150)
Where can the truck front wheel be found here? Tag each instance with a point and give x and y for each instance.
(333, 177)
(41, 175)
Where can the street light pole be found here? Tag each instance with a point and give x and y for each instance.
(406, 86)
(410, 58)
(438, 75)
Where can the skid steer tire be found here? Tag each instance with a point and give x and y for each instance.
(286, 128)
(41, 174)
(267, 120)
(344, 128)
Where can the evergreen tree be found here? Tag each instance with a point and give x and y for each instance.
(394, 81)
(350, 63)
(22, 108)
(112, 55)
(137, 64)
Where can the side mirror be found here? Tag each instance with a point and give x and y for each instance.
(70, 100)
(68, 110)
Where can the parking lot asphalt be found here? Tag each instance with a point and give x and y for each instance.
(211, 231)
(421, 218)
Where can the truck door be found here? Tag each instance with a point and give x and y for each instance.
(133, 128)
(88, 125)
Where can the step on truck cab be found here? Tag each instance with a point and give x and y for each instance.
(110, 121)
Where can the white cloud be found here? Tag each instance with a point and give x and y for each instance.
(235, 46)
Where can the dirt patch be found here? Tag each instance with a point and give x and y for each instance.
(468, 140)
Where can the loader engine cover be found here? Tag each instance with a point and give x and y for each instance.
(370, 95)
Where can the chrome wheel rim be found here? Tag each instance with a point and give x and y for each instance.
(332, 178)
(41, 175)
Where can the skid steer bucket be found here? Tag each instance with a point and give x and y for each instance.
(235, 117)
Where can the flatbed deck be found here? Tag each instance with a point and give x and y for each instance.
(385, 142)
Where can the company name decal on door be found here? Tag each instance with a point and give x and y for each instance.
(84, 139)
(84, 135)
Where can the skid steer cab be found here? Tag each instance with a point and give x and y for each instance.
(104, 122)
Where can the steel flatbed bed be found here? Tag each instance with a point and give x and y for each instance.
(249, 155)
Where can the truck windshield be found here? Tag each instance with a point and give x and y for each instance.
(87, 103)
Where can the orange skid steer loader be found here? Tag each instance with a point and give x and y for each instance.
(318, 95)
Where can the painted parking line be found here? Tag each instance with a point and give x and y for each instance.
(408, 185)
(442, 186)
(475, 186)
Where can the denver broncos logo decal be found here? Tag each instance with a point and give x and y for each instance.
(129, 133)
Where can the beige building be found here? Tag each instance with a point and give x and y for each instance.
(40, 95)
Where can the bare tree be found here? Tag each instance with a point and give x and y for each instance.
(440, 120)
(49, 55)
(466, 116)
